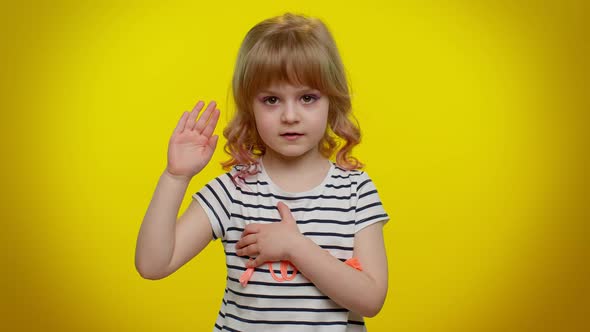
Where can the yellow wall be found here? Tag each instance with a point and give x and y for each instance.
(472, 113)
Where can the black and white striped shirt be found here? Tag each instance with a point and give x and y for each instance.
(330, 214)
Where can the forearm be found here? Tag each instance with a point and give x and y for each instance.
(155, 242)
(352, 289)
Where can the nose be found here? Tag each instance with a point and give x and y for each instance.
(290, 113)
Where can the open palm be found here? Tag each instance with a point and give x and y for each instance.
(191, 145)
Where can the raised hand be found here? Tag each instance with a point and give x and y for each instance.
(192, 144)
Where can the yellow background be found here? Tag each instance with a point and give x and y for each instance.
(474, 116)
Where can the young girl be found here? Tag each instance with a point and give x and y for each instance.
(302, 234)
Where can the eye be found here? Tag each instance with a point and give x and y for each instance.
(271, 100)
(308, 99)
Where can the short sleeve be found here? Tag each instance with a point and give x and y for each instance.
(369, 209)
(216, 199)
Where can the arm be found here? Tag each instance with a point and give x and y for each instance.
(362, 292)
(163, 244)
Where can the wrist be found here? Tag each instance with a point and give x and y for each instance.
(176, 177)
(299, 245)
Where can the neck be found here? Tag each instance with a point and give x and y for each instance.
(305, 164)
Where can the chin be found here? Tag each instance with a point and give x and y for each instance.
(291, 154)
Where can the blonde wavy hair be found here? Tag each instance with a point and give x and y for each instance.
(298, 50)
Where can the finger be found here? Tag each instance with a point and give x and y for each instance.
(181, 123)
(251, 229)
(210, 127)
(256, 262)
(285, 213)
(246, 241)
(193, 115)
(200, 125)
(251, 250)
(213, 142)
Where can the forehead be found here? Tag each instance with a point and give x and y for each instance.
(268, 67)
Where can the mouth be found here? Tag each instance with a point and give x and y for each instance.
(291, 135)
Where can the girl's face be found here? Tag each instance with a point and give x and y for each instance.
(291, 120)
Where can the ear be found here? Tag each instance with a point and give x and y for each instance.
(285, 213)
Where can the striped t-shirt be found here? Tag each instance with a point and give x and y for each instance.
(330, 214)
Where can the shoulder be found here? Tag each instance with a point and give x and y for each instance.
(354, 176)
(222, 184)
(340, 172)
(236, 178)
(358, 179)
(245, 171)
(223, 178)
(235, 171)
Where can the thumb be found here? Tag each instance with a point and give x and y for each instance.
(285, 213)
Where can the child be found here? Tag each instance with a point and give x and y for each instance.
(302, 234)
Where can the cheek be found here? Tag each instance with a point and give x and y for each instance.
(322, 121)
(325, 113)
(263, 126)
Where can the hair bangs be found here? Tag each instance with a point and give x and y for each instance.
(287, 58)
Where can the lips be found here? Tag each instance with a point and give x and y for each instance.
(291, 135)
